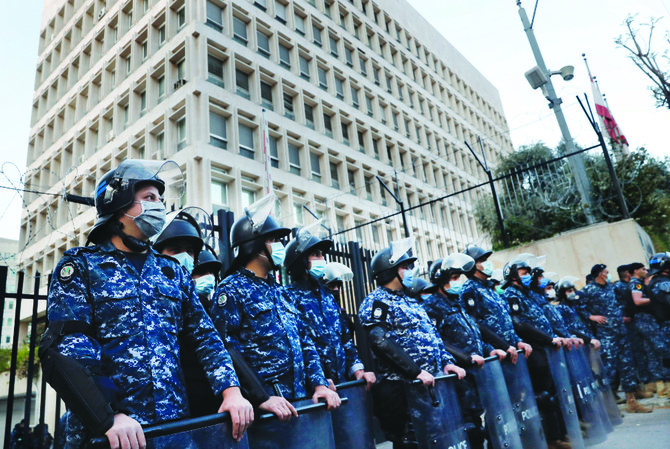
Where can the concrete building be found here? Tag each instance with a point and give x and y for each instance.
(352, 89)
(8, 257)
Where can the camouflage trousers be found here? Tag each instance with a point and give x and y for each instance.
(617, 356)
(650, 348)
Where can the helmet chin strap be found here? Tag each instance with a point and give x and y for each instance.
(134, 244)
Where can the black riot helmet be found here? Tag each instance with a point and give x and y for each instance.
(477, 253)
(385, 264)
(419, 287)
(659, 262)
(442, 269)
(511, 268)
(564, 284)
(182, 227)
(116, 190)
(249, 233)
(207, 262)
(306, 241)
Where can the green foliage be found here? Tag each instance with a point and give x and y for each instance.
(542, 202)
(22, 360)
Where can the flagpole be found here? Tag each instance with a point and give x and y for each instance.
(266, 153)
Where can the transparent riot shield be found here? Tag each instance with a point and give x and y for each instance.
(586, 399)
(500, 419)
(604, 386)
(352, 422)
(312, 429)
(525, 409)
(207, 432)
(436, 415)
(559, 373)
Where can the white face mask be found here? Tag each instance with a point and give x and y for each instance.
(551, 294)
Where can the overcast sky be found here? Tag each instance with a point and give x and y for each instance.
(487, 32)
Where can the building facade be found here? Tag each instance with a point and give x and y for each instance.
(351, 90)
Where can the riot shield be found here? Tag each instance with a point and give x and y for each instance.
(436, 415)
(561, 378)
(586, 398)
(352, 422)
(604, 386)
(500, 420)
(207, 432)
(312, 429)
(525, 409)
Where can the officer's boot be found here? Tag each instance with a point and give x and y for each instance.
(643, 393)
(633, 406)
(650, 387)
(663, 389)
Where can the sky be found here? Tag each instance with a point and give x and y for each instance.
(487, 32)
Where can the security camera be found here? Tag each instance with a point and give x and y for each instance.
(535, 77)
(567, 72)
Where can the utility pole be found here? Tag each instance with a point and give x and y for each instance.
(577, 161)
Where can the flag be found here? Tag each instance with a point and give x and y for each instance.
(607, 121)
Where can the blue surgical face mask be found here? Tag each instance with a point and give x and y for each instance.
(204, 285)
(408, 278)
(455, 287)
(525, 279)
(499, 290)
(609, 278)
(186, 261)
(317, 268)
(152, 218)
(278, 253)
(487, 268)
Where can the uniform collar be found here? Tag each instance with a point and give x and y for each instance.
(252, 276)
(399, 293)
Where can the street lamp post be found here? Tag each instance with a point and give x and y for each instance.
(542, 78)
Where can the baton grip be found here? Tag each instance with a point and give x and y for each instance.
(436, 402)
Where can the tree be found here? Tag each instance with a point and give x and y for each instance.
(638, 42)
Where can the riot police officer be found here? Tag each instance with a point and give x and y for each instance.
(481, 301)
(326, 326)
(403, 339)
(115, 309)
(566, 294)
(659, 293)
(599, 305)
(259, 322)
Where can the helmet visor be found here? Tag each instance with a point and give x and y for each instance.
(259, 211)
(458, 261)
(400, 248)
(336, 271)
(306, 234)
(168, 172)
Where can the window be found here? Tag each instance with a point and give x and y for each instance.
(215, 70)
(395, 121)
(145, 50)
(240, 31)
(263, 44)
(181, 69)
(214, 16)
(351, 176)
(181, 17)
(375, 147)
(364, 70)
(284, 56)
(309, 116)
(161, 35)
(299, 214)
(219, 192)
(161, 86)
(345, 133)
(368, 188)
(361, 140)
(349, 56)
(333, 47)
(304, 67)
(294, 159)
(339, 88)
(248, 197)
(288, 106)
(334, 177)
(375, 74)
(354, 96)
(328, 124)
(218, 135)
(280, 12)
(316, 34)
(274, 151)
(143, 102)
(323, 78)
(368, 102)
(300, 24)
(266, 95)
(242, 83)
(181, 133)
(261, 4)
(246, 141)
(315, 163)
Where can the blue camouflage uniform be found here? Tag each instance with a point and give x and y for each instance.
(486, 306)
(573, 321)
(258, 317)
(552, 314)
(645, 331)
(597, 299)
(525, 309)
(134, 319)
(620, 291)
(659, 292)
(408, 322)
(328, 330)
(454, 325)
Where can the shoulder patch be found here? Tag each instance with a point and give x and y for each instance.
(380, 311)
(67, 272)
(515, 307)
(222, 300)
(638, 286)
(471, 302)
